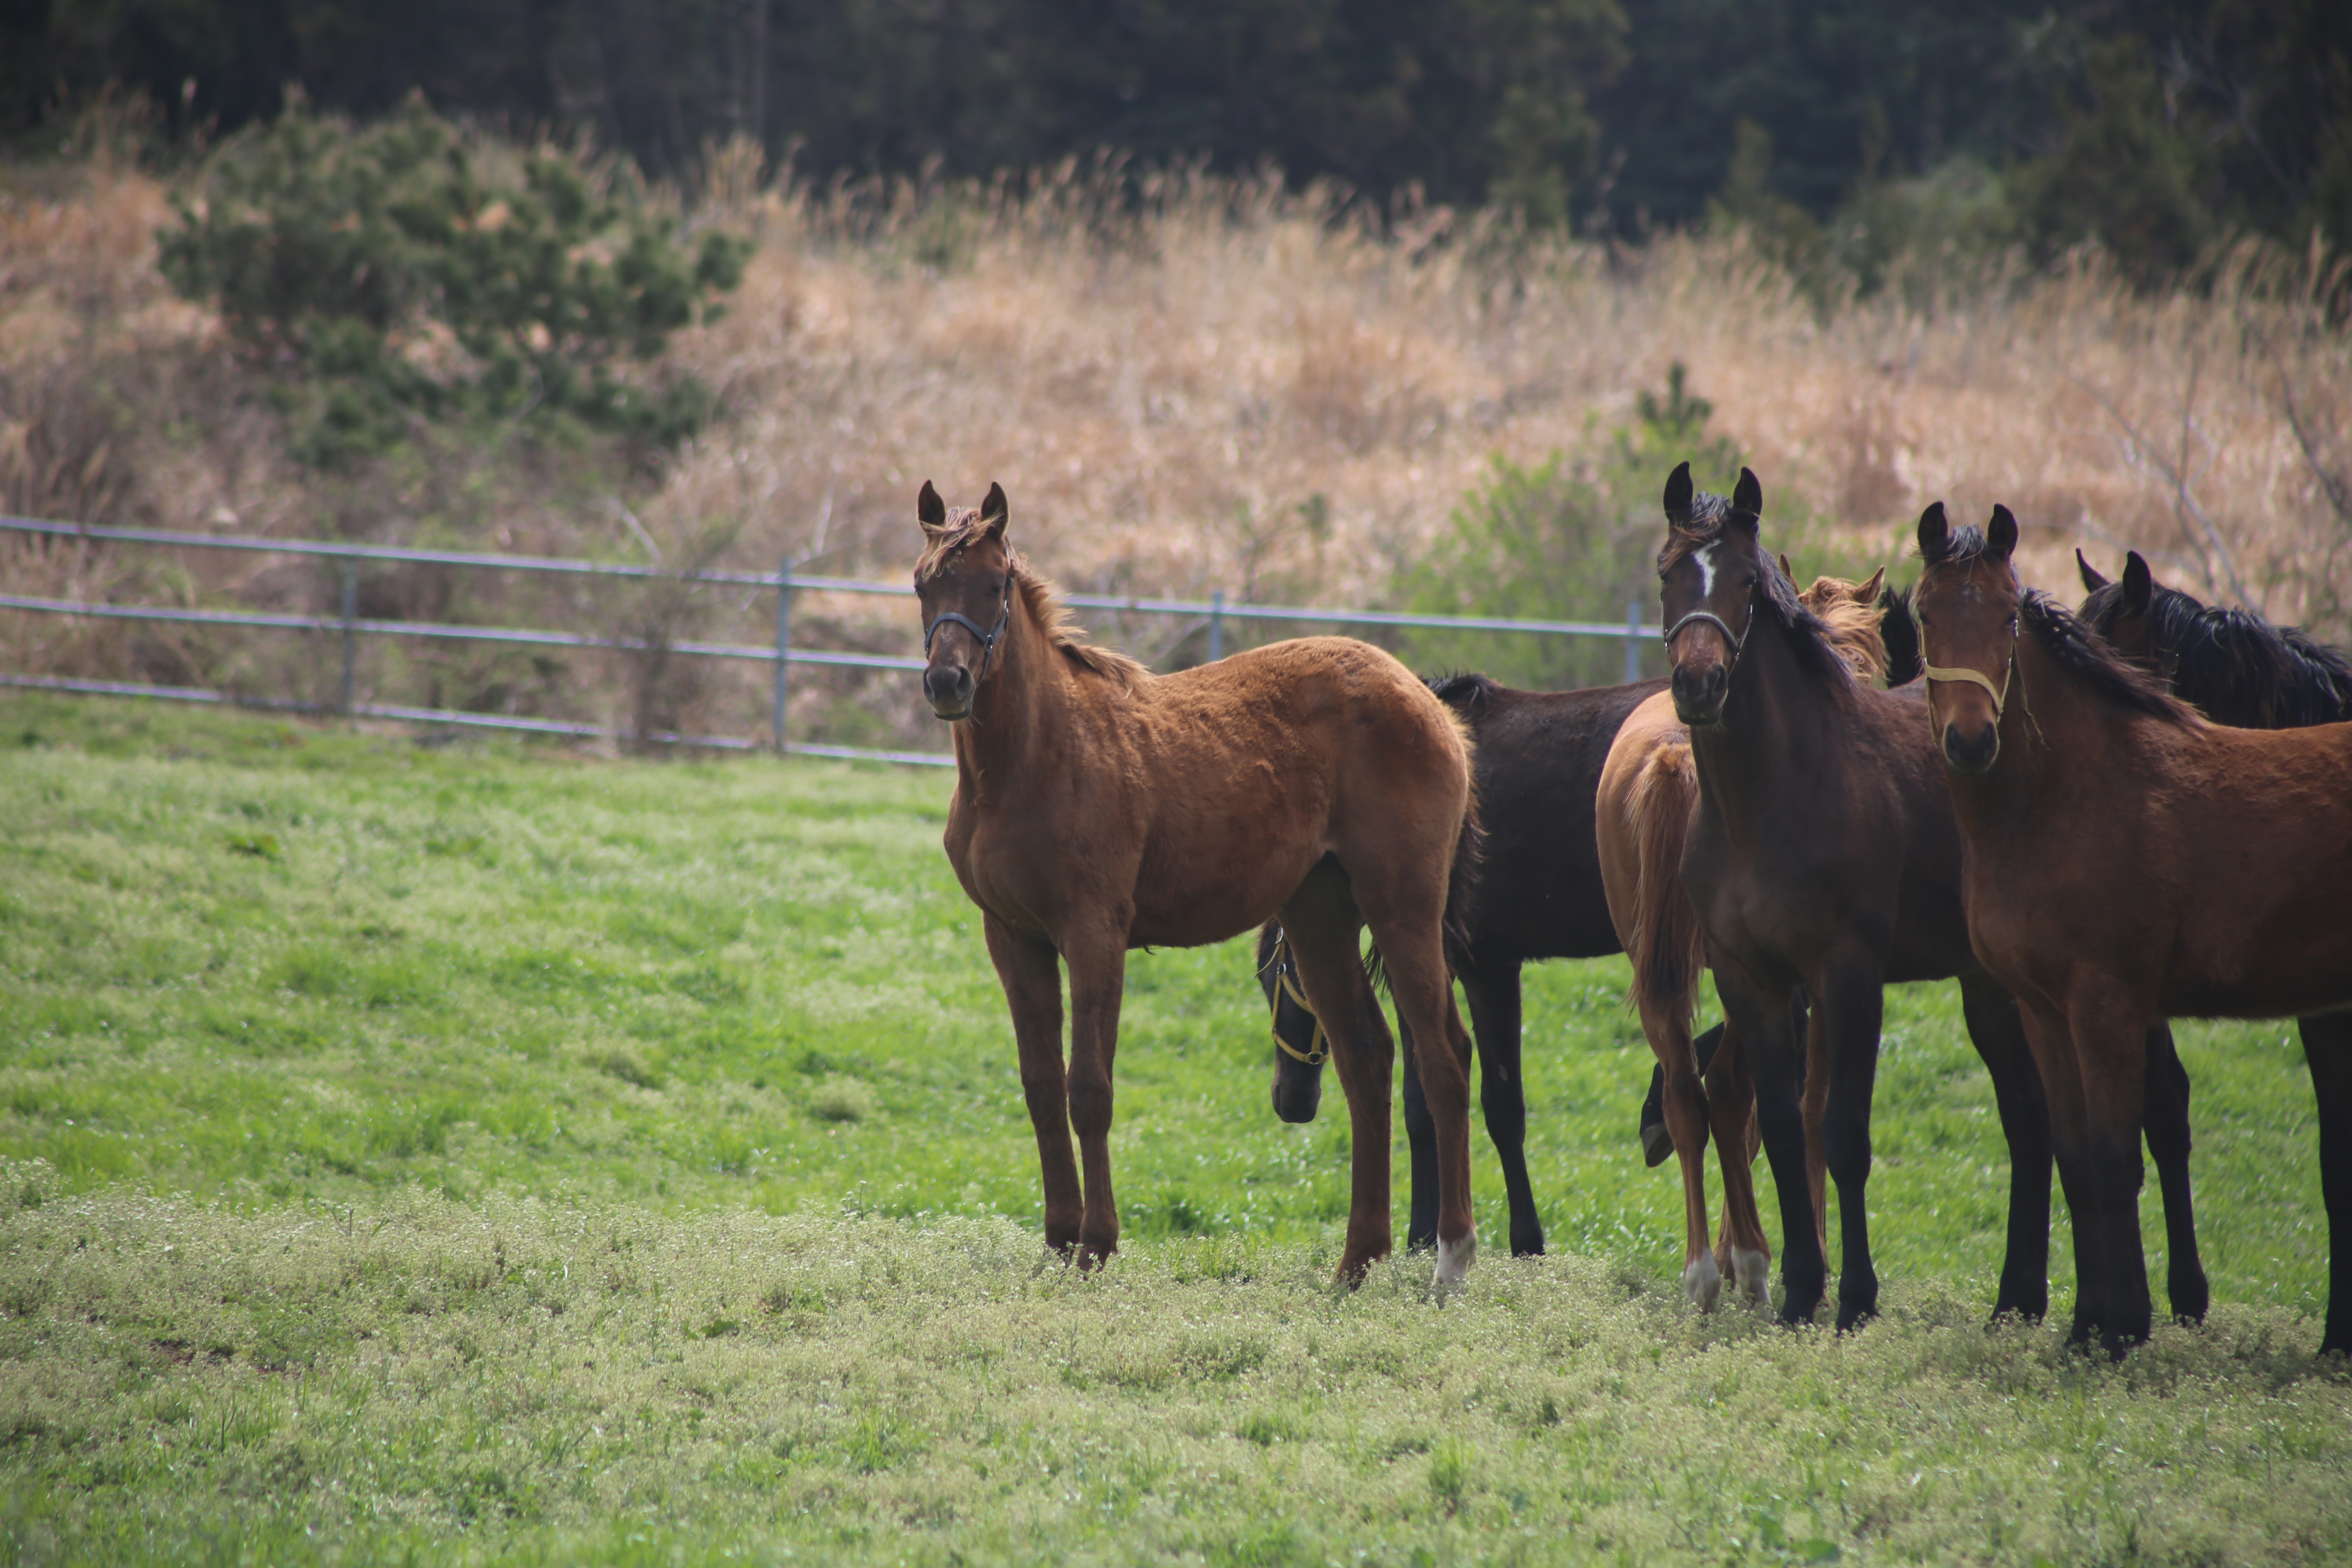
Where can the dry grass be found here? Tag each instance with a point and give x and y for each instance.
(1231, 386)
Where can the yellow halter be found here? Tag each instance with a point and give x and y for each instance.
(1286, 979)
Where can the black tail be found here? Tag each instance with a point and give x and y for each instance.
(1899, 629)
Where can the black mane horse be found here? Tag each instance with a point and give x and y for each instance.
(2238, 667)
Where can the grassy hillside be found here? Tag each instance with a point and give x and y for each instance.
(484, 1153)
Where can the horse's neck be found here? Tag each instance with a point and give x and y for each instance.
(1778, 733)
(1016, 714)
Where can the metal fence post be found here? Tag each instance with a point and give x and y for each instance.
(1216, 625)
(783, 643)
(1632, 641)
(351, 628)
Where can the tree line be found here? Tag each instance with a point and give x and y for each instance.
(2159, 127)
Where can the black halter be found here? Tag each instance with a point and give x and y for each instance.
(987, 639)
(1739, 641)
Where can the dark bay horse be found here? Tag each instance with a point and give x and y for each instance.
(1824, 856)
(1648, 795)
(2129, 861)
(1100, 808)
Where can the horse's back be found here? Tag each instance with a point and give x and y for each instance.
(1538, 770)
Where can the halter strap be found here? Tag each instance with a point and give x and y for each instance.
(1285, 979)
(1999, 694)
(987, 639)
(1739, 641)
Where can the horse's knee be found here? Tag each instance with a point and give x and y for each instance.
(1090, 1105)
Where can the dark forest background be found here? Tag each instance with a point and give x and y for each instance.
(2156, 126)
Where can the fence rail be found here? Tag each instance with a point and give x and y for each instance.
(785, 582)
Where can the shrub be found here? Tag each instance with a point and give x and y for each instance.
(390, 273)
(1561, 541)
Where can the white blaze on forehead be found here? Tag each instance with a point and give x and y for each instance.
(1706, 572)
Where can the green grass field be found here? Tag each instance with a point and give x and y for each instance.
(424, 1153)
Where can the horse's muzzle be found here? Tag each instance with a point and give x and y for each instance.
(1698, 693)
(1298, 1090)
(1972, 755)
(948, 689)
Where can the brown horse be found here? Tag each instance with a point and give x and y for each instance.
(1100, 808)
(2130, 862)
(1823, 856)
(1648, 790)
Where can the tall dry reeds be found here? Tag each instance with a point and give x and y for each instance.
(1188, 383)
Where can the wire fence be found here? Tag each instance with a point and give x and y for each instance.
(349, 628)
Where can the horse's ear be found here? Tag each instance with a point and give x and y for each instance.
(929, 509)
(2092, 581)
(994, 512)
(1748, 495)
(1678, 494)
(2139, 584)
(1786, 570)
(1935, 532)
(2001, 533)
(1867, 593)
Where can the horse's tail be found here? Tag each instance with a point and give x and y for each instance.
(1898, 627)
(1668, 950)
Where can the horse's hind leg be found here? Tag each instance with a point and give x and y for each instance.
(1742, 1250)
(1494, 997)
(1323, 924)
(1998, 1034)
(1685, 1106)
(1420, 1151)
(1031, 976)
(2327, 1046)
(1407, 929)
(2167, 1119)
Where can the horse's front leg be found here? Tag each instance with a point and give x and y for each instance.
(1031, 974)
(1848, 1008)
(1761, 1018)
(2168, 1145)
(1098, 962)
(2055, 1058)
(1998, 1034)
(2327, 1047)
(2110, 1033)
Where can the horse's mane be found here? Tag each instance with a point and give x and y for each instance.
(1464, 691)
(1045, 606)
(1809, 637)
(1851, 625)
(2080, 651)
(2237, 666)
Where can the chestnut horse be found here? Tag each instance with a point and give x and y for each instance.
(1649, 787)
(2128, 862)
(1823, 856)
(1100, 808)
(1536, 895)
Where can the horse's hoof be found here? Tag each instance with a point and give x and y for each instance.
(1453, 1260)
(1658, 1144)
(1752, 1277)
(1703, 1282)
